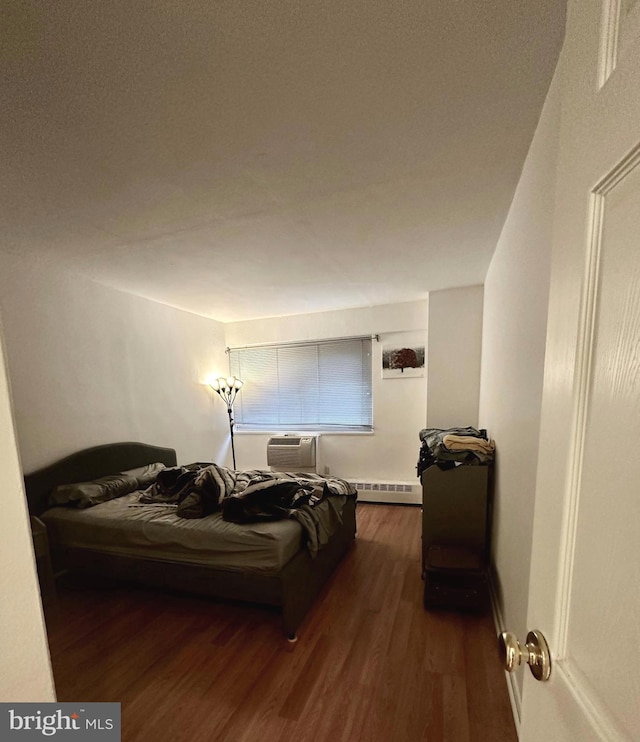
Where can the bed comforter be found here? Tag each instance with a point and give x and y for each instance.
(254, 495)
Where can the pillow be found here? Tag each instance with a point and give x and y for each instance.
(87, 494)
(146, 475)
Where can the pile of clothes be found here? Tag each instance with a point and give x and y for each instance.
(450, 447)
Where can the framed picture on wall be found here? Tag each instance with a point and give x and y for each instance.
(402, 361)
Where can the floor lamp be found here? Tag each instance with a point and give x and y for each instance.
(227, 389)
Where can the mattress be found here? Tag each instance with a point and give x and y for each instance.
(124, 527)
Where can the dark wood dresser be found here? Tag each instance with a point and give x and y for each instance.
(456, 527)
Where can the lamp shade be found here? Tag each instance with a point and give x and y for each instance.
(226, 387)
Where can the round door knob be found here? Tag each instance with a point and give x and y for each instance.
(535, 653)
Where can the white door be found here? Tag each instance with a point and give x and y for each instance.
(585, 578)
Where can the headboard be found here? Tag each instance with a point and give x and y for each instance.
(91, 463)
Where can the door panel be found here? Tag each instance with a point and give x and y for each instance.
(604, 603)
(585, 572)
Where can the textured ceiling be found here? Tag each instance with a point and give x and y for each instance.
(253, 158)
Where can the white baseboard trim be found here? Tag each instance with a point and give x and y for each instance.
(512, 685)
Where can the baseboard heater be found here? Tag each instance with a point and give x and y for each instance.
(405, 493)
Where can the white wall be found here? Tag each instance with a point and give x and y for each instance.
(91, 365)
(515, 319)
(454, 352)
(391, 452)
(25, 669)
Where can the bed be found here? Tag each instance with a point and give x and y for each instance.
(266, 563)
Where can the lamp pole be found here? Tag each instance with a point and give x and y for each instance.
(227, 388)
(231, 421)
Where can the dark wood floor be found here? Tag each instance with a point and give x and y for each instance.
(370, 664)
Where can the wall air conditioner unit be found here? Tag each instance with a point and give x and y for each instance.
(295, 453)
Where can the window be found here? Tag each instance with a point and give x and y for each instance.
(321, 385)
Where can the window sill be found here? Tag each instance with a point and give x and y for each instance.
(237, 432)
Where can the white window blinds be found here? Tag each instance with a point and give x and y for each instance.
(322, 385)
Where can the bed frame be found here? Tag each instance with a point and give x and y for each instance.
(292, 590)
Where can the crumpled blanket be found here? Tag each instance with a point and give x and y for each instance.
(254, 495)
(468, 443)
